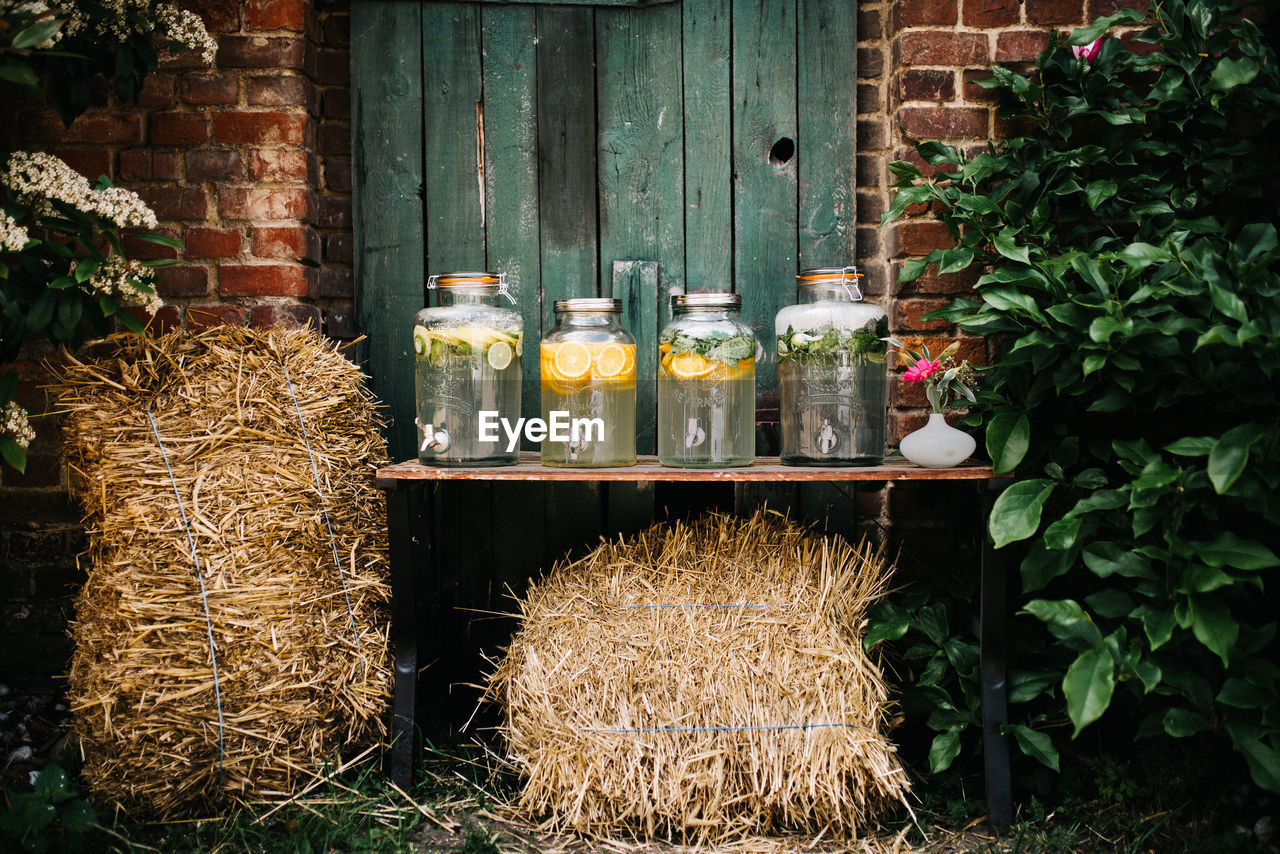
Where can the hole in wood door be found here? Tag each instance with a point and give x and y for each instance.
(782, 151)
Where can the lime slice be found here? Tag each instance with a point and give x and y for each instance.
(519, 343)
(500, 355)
(421, 340)
(437, 353)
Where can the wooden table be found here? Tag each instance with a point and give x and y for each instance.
(407, 553)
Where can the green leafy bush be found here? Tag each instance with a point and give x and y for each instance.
(1127, 246)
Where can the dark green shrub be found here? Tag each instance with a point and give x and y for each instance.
(1130, 269)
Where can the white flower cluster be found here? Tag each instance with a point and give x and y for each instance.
(36, 178)
(34, 8)
(14, 423)
(125, 18)
(128, 280)
(12, 236)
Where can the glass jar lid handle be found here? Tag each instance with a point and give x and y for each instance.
(849, 280)
(502, 285)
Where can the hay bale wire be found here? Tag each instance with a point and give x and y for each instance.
(296, 686)
(702, 681)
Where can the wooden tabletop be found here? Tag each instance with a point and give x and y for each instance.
(649, 469)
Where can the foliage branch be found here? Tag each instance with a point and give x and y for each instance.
(1126, 242)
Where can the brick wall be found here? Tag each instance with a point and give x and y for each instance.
(248, 161)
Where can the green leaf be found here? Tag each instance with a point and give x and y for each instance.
(937, 154)
(1091, 33)
(1191, 446)
(35, 33)
(1061, 535)
(1088, 686)
(1107, 559)
(1067, 621)
(943, 751)
(1037, 745)
(1181, 723)
(1148, 674)
(1008, 247)
(886, 630)
(1230, 454)
(955, 259)
(1099, 191)
(161, 239)
(78, 817)
(1016, 513)
(1008, 438)
(1242, 694)
(20, 74)
(906, 169)
(1143, 255)
(1213, 626)
(1231, 73)
(1157, 624)
(13, 453)
(1263, 760)
(1229, 550)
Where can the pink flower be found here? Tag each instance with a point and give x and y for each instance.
(1088, 52)
(921, 371)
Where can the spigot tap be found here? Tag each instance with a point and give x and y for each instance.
(827, 438)
(693, 434)
(577, 440)
(432, 439)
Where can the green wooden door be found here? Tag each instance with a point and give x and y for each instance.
(625, 149)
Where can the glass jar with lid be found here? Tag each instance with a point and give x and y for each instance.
(467, 351)
(706, 384)
(588, 369)
(831, 372)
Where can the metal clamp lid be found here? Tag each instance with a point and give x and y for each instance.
(471, 280)
(706, 300)
(846, 277)
(586, 304)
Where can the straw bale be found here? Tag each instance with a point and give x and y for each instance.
(301, 676)
(702, 681)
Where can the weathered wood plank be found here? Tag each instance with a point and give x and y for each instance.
(765, 216)
(511, 172)
(566, 155)
(387, 162)
(707, 134)
(828, 112)
(636, 284)
(451, 93)
(647, 468)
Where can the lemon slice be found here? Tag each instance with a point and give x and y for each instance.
(519, 343)
(500, 355)
(421, 340)
(572, 361)
(690, 366)
(611, 361)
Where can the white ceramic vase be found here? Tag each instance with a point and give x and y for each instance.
(937, 444)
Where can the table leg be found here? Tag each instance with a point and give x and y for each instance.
(404, 636)
(991, 627)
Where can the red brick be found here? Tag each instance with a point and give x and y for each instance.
(157, 92)
(333, 68)
(944, 122)
(869, 134)
(178, 129)
(98, 128)
(902, 423)
(210, 89)
(265, 316)
(167, 319)
(183, 281)
(280, 280)
(1102, 8)
(335, 30)
(906, 315)
(212, 164)
(281, 165)
(219, 16)
(208, 242)
(340, 322)
(256, 203)
(335, 140)
(1006, 128)
(337, 103)
(931, 283)
(276, 15)
(874, 278)
(335, 212)
(338, 247)
(264, 52)
(290, 242)
(1055, 11)
(935, 47)
(260, 128)
(145, 250)
(337, 174)
(870, 205)
(869, 24)
(282, 91)
(201, 316)
(991, 13)
(868, 98)
(1020, 45)
(144, 165)
(337, 283)
(89, 162)
(177, 60)
(923, 13)
(919, 238)
(971, 349)
(870, 62)
(926, 84)
(910, 155)
(972, 91)
(869, 170)
(907, 395)
(186, 203)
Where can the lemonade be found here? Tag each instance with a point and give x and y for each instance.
(588, 370)
(706, 384)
